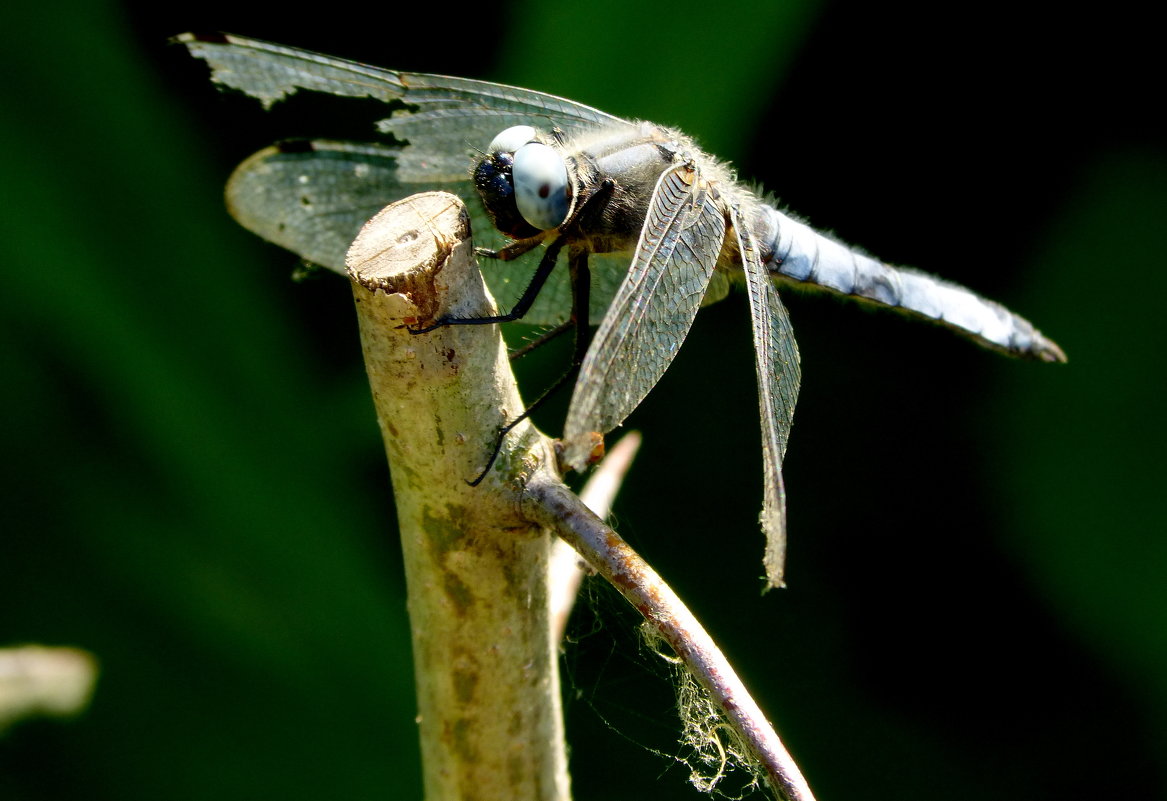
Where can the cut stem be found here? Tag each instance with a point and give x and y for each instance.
(476, 572)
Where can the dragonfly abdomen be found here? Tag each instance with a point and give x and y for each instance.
(797, 253)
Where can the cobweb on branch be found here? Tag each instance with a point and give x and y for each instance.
(630, 680)
(710, 748)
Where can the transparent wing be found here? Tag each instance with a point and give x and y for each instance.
(653, 309)
(779, 375)
(313, 197)
(554, 301)
(271, 72)
(718, 289)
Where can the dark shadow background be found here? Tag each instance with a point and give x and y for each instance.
(194, 487)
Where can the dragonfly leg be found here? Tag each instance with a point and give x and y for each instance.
(581, 290)
(581, 281)
(580, 304)
(511, 251)
(596, 200)
(542, 273)
(541, 340)
(502, 432)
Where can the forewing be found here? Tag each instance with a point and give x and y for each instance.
(653, 309)
(313, 197)
(776, 355)
(271, 72)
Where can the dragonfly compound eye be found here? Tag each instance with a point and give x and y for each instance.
(510, 140)
(540, 180)
(492, 178)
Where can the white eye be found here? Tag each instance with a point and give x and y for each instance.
(512, 139)
(540, 179)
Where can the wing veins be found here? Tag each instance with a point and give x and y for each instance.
(642, 331)
(776, 360)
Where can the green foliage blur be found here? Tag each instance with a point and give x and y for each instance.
(194, 489)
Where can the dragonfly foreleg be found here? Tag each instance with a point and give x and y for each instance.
(511, 251)
(577, 262)
(542, 272)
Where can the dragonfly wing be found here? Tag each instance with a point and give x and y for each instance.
(718, 289)
(653, 309)
(271, 72)
(779, 375)
(313, 197)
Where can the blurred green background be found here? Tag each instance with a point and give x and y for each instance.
(194, 486)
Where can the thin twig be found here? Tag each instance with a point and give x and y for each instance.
(566, 566)
(551, 503)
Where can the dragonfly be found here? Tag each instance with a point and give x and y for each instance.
(653, 229)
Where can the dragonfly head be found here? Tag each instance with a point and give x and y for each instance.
(523, 183)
